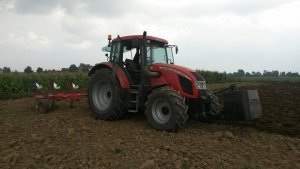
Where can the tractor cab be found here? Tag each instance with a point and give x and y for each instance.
(127, 52)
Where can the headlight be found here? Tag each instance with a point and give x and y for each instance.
(200, 84)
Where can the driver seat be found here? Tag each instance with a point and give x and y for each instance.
(133, 70)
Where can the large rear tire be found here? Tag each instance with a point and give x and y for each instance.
(166, 109)
(105, 96)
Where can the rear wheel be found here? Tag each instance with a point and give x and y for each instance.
(166, 109)
(105, 96)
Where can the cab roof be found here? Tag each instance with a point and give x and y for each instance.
(152, 38)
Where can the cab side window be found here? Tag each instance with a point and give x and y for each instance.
(115, 53)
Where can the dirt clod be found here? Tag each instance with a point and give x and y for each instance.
(148, 164)
(228, 134)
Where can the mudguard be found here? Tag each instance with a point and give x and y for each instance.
(120, 73)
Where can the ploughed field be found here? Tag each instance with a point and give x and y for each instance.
(71, 138)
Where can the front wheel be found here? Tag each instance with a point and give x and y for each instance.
(166, 109)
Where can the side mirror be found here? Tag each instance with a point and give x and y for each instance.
(176, 49)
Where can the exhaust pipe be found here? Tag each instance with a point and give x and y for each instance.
(145, 68)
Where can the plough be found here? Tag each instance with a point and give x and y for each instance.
(45, 101)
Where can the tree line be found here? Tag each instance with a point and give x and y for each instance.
(72, 68)
(274, 73)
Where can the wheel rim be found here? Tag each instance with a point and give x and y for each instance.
(161, 111)
(102, 95)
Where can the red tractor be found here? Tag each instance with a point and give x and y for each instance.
(148, 82)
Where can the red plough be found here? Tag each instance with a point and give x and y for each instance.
(44, 101)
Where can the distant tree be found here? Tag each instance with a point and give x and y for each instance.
(64, 69)
(248, 74)
(258, 74)
(84, 67)
(275, 73)
(282, 74)
(39, 70)
(6, 70)
(28, 69)
(241, 72)
(267, 73)
(73, 68)
(292, 74)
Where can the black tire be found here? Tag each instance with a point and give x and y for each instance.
(105, 96)
(42, 106)
(166, 109)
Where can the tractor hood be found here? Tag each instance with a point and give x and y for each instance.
(180, 70)
(185, 80)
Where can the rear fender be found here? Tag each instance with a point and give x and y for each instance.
(122, 77)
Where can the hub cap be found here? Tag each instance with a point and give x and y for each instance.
(161, 111)
(102, 95)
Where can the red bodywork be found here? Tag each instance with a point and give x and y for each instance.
(169, 76)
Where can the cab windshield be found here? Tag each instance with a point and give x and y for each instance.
(156, 52)
(159, 53)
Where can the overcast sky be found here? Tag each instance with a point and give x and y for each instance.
(221, 35)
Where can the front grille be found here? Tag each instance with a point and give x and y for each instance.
(186, 85)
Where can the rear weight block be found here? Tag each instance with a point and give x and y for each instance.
(242, 105)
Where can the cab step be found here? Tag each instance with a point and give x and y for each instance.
(133, 101)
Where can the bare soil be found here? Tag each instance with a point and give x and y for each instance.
(71, 138)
